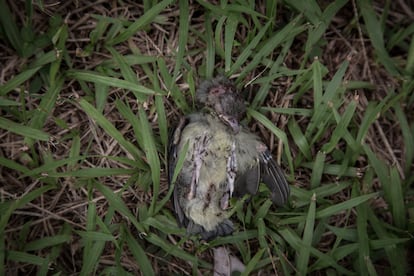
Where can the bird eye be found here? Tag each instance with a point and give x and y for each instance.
(217, 90)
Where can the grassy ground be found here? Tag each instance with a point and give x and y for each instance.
(89, 88)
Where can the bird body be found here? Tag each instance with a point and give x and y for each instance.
(206, 140)
(223, 159)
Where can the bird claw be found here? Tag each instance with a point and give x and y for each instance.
(224, 201)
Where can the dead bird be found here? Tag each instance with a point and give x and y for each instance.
(223, 159)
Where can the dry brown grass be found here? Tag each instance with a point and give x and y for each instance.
(46, 216)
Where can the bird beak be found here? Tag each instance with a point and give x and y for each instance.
(232, 122)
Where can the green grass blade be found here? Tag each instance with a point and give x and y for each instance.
(174, 250)
(47, 242)
(18, 80)
(320, 26)
(291, 237)
(90, 226)
(363, 237)
(248, 50)
(376, 35)
(279, 134)
(10, 27)
(144, 20)
(331, 210)
(333, 90)
(229, 37)
(23, 130)
(348, 234)
(397, 200)
(396, 254)
(408, 136)
(132, 118)
(20, 203)
(182, 36)
(371, 114)
(110, 129)
(180, 161)
(288, 32)
(91, 260)
(302, 260)
(317, 170)
(173, 89)
(162, 119)
(34, 67)
(211, 52)
(49, 167)
(94, 236)
(253, 262)
(115, 201)
(341, 129)
(126, 71)
(92, 172)
(261, 233)
(152, 155)
(310, 9)
(410, 59)
(25, 258)
(334, 169)
(95, 77)
(299, 138)
(139, 254)
(382, 172)
(6, 102)
(46, 107)
(317, 83)
(7, 163)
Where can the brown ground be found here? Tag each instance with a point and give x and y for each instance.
(68, 204)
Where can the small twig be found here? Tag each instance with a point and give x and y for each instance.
(406, 9)
(368, 70)
(389, 149)
(56, 215)
(361, 39)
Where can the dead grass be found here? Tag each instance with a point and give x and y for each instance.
(67, 204)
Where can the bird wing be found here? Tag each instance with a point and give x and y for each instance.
(248, 182)
(273, 176)
(175, 137)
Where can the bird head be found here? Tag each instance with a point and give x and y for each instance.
(221, 96)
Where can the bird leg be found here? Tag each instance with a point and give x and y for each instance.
(198, 154)
(231, 177)
(231, 168)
